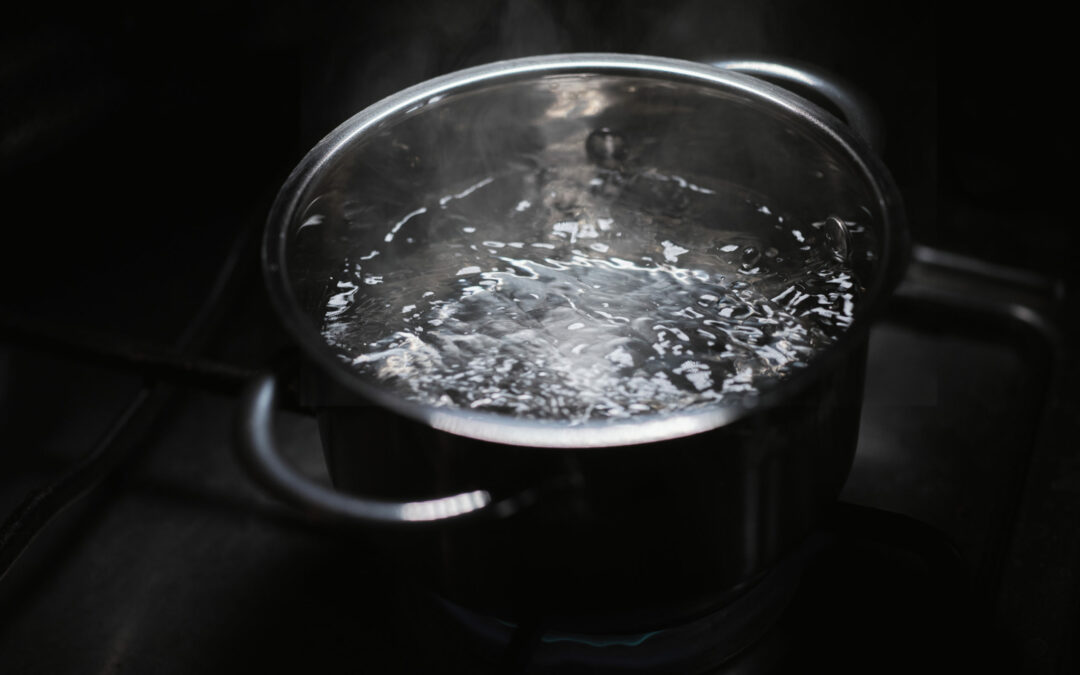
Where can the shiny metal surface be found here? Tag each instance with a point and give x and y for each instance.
(810, 81)
(671, 527)
(689, 116)
(265, 461)
(598, 507)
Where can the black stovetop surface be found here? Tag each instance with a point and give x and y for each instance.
(140, 154)
(178, 564)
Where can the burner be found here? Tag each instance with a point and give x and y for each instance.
(871, 587)
(711, 642)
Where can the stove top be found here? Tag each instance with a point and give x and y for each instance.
(176, 563)
(131, 538)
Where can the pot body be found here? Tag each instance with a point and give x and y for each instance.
(666, 527)
(663, 513)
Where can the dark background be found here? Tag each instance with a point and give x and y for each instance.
(137, 142)
(132, 137)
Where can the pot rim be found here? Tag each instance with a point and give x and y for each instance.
(500, 428)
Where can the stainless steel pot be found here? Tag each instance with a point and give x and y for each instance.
(656, 512)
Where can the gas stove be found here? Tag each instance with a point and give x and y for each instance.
(131, 538)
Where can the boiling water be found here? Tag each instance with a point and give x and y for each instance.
(584, 293)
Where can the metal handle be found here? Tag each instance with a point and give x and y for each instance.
(260, 453)
(801, 78)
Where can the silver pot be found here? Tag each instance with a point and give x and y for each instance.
(658, 511)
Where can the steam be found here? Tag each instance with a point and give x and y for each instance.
(364, 54)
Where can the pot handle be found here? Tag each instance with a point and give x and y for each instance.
(799, 78)
(260, 453)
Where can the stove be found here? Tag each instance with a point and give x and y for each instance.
(143, 163)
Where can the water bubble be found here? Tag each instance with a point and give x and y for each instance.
(750, 256)
(837, 238)
(606, 147)
(631, 303)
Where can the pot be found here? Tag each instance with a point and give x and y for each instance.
(640, 516)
